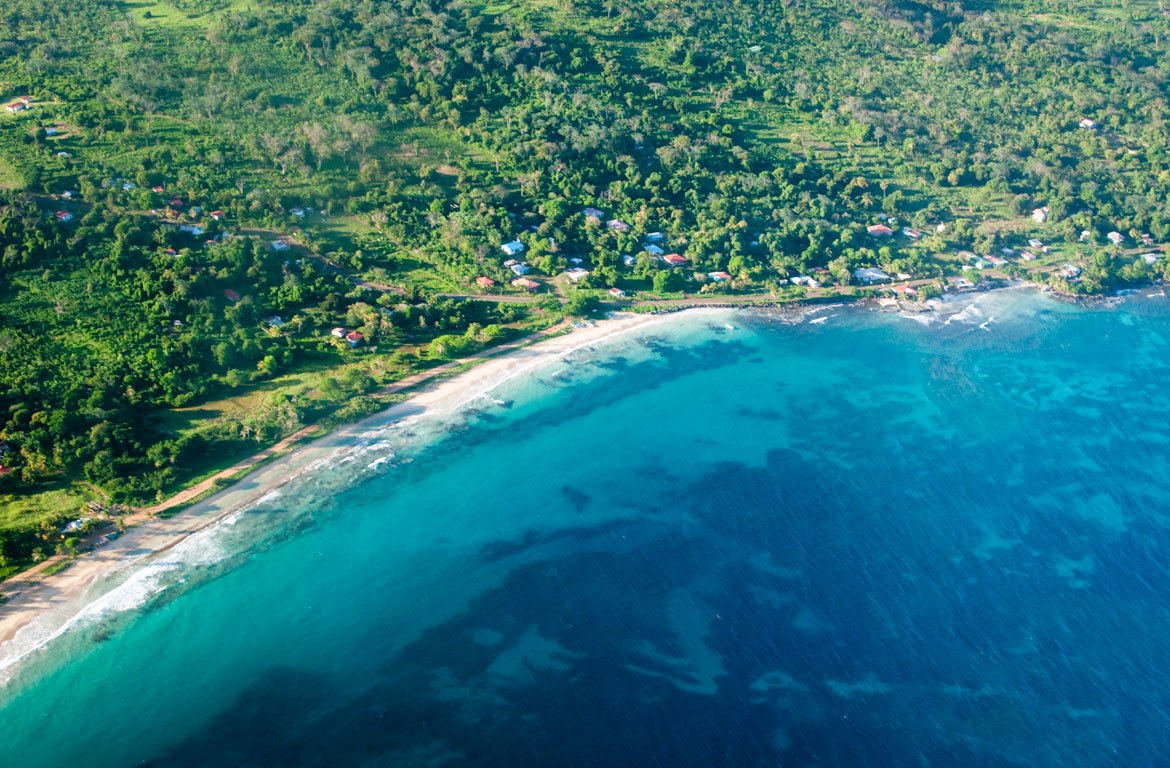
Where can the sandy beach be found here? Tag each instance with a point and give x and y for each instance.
(42, 607)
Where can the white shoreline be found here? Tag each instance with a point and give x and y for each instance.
(49, 608)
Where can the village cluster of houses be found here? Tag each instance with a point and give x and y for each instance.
(353, 338)
(652, 244)
(19, 104)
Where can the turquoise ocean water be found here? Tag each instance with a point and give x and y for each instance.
(731, 540)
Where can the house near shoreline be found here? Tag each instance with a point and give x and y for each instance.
(870, 275)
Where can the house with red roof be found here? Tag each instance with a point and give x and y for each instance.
(16, 106)
(231, 295)
(879, 230)
(63, 216)
(484, 281)
(355, 337)
(674, 260)
(526, 284)
(719, 277)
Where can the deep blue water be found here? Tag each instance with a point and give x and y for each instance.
(862, 542)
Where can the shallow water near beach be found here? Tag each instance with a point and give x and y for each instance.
(731, 539)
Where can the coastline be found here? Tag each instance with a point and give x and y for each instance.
(44, 607)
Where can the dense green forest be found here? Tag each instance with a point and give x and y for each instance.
(364, 161)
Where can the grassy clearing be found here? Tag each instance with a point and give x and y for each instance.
(159, 13)
(10, 176)
(57, 499)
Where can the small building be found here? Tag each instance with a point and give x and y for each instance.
(1147, 240)
(279, 245)
(339, 333)
(16, 106)
(904, 276)
(654, 237)
(804, 280)
(1116, 238)
(298, 212)
(616, 293)
(275, 321)
(1033, 242)
(191, 229)
(520, 269)
(218, 215)
(355, 337)
(996, 261)
(1028, 256)
(231, 295)
(1149, 258)
(576, 274)
(1087, 123)
(63, 216)
(513, 248)
(484, 281)
(511, 263)
(617, 225)
(675, 260)
(869, 275)
(629, 260)
(158, 190)
(1085, 235)
(1069, 271)
(879, 230)
(653, 250)
(1040, 215)
(911, 233)
(529, 285)
(719, 277)
(594, 213)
